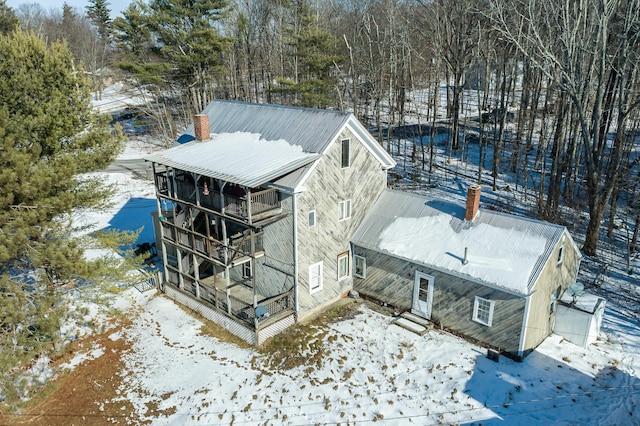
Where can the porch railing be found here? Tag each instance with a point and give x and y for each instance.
(240, 310)
(261, 201)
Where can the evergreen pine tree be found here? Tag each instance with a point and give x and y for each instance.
(8, 19)
(49, 134)
(99, 14)
(136, 51)
(187, 39)
(314, 50)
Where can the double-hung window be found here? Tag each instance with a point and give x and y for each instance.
(483, 311)
(360, 268)
(344, 209)
(246, 270)
(315, 277)
(343, 265)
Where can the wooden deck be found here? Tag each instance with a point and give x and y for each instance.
(251, 207)
(239, 302)
(238, 290)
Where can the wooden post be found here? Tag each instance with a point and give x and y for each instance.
(222, 185)
(173, 192)
(247, 193)
(252, 266)
(196, 178)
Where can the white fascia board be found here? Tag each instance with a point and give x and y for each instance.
(525, 321)
(300, 186)
(567, 234)
(371, 144)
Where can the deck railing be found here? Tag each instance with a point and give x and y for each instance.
(239, 246)
(240, 310)
(261, 201)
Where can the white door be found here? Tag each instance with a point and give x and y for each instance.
(422, 295)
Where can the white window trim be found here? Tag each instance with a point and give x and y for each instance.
(476, 305)
(246, 265)
(560, 255)
(343, 257)
(311, 213)
(311, 280)
(342, 153)
(344, 210)
(357, 258)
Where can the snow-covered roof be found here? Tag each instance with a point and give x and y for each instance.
(586, 302)
(503, 250)
(253, 144)
(240, 157)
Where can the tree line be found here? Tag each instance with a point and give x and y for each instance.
(566, 70)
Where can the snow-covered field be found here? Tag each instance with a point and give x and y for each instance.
(364, 369)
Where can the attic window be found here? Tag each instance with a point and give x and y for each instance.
(560, 255)
(346, 157)
(312, 218)
(483, 311)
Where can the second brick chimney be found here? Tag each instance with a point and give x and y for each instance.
(473, 202)
(201, 127)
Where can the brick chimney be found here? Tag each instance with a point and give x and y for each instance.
(473, 202)
(201, 127)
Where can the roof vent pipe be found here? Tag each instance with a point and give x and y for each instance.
(473, 202)
(201, 127)
(466, 258)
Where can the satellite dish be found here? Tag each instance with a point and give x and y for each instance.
(576, 289)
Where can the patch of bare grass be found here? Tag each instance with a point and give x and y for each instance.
(304, 344)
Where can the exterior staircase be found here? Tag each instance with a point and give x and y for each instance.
(413, 323)
(149, 283)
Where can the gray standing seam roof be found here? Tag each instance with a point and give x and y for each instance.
(312, 129)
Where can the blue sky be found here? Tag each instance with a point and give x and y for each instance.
(116, 6)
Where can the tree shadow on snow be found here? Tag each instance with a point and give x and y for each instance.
(544, 390)
(133, 216)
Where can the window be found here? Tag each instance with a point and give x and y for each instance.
(344, 209)
(343, 265)
(246, 270)
(312, 218)
(483, 311)
(315, 277)
(560, 255)
(360, 269)
(346, 160)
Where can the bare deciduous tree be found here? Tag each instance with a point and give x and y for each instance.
(580, 46)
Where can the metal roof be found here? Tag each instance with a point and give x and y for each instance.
(309, 130)
(312, 129)
(240, 157)
(498, 228)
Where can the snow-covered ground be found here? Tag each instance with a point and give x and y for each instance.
(366, 369)
(363, 369)
(115, 97)
(370, 369)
